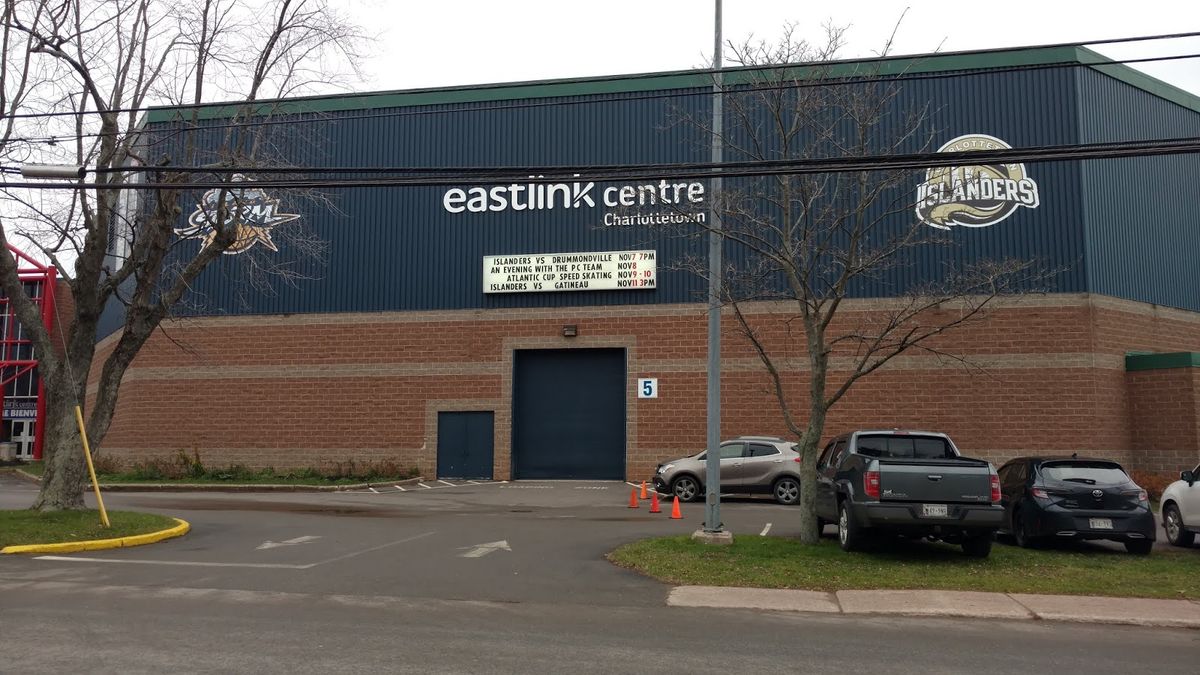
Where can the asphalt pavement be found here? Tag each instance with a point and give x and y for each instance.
(470, 577)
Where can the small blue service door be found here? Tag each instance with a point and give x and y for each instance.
(465, 445)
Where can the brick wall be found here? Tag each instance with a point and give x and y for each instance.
(1165, 408)
(1045, 375)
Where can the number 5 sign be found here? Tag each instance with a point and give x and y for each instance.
(648, 387)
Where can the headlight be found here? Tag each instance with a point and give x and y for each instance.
(665, 468)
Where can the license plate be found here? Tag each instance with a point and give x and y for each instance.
(935, 510)
(1100, 523)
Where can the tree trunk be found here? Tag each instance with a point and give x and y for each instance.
(819, 362)
(65, 472)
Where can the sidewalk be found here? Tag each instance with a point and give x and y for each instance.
(1078, 608)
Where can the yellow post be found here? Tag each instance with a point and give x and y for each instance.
(87, 452)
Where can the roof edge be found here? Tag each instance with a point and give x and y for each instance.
(1164, 361)
(638, 82)
(1136, 78)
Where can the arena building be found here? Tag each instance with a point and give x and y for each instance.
(548, 329)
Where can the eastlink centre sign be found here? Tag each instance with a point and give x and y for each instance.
(682, 198)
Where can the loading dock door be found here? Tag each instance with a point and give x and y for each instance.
(464, 445)
(569, 414)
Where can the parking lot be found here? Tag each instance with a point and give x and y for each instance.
(492, 541)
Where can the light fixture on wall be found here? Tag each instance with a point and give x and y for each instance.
(570, 330)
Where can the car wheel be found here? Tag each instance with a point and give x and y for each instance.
(850, 534)
(1173, 524)
(978, 545)
(1139, 547)
(1020, 532)
(786, 491)
(686, 488)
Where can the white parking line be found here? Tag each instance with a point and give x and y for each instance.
(765, 530)
(373, 490)
(427, 487)
(399, 488)
(447, 483)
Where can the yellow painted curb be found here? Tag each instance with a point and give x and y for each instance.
(99, 544)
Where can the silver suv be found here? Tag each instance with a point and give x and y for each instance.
(753, 464)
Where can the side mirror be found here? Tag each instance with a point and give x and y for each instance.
(1187, 477)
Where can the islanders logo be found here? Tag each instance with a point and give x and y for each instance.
(974, 196)
(249, 209)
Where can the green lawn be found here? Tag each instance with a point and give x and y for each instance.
(772, 562)
(30, 527)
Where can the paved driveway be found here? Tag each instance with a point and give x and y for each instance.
(486, 541)
(497, 577)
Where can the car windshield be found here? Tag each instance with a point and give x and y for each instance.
(1089, 473)
(905, 447)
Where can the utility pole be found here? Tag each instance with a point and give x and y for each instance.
(714, 532)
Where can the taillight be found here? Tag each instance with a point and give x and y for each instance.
(1140, 494)
(799, 459)
(1039, 493)
(871, 484)
(995, 489)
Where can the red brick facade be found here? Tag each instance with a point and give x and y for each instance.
(1046, 375)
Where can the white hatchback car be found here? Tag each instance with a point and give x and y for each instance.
(1180, 508)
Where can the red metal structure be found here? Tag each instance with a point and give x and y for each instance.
(17, 355)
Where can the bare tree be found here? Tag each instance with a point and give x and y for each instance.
(806, 242)
(95, 65)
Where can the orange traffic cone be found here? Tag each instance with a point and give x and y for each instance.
(675, 514)
(644, 495)
(654, 503)
(633, 499)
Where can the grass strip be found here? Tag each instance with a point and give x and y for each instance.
(18, 528)
(773, 562)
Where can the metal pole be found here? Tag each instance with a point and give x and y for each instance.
(712, 497)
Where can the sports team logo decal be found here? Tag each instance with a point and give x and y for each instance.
(974, 196)
(249, 208)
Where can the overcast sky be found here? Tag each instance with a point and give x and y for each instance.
(438, 43)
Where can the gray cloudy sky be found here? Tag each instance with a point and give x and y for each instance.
(451, 42)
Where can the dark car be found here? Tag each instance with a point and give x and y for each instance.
(1075, 498)
(909, 483)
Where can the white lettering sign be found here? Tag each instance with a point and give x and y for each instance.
(536, 272)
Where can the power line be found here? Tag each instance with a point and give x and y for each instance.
(481, 176)
(288, 117)
(642, 76)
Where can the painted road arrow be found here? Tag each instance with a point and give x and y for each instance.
(290, 542)
(480, 550)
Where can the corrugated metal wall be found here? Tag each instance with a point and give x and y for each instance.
(1143, 229)
(396, 248)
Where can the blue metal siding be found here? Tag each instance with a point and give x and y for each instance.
(1143, 231)
(396, 248)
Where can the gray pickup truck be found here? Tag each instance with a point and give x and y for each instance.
(909, 483)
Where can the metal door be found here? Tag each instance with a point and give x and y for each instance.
(465, 445)
(569, 414)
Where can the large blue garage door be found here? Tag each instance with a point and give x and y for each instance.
(569, 414)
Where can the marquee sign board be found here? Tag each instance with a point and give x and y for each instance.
(540, 272)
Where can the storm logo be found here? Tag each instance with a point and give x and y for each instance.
(249, 209)
(974, 196)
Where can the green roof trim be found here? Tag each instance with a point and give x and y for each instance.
(1142, 361)
(632, 84)
(620, 84)
(1138, 79)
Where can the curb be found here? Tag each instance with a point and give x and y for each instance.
(99, 544)
(1150, 612)
(231, 487)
